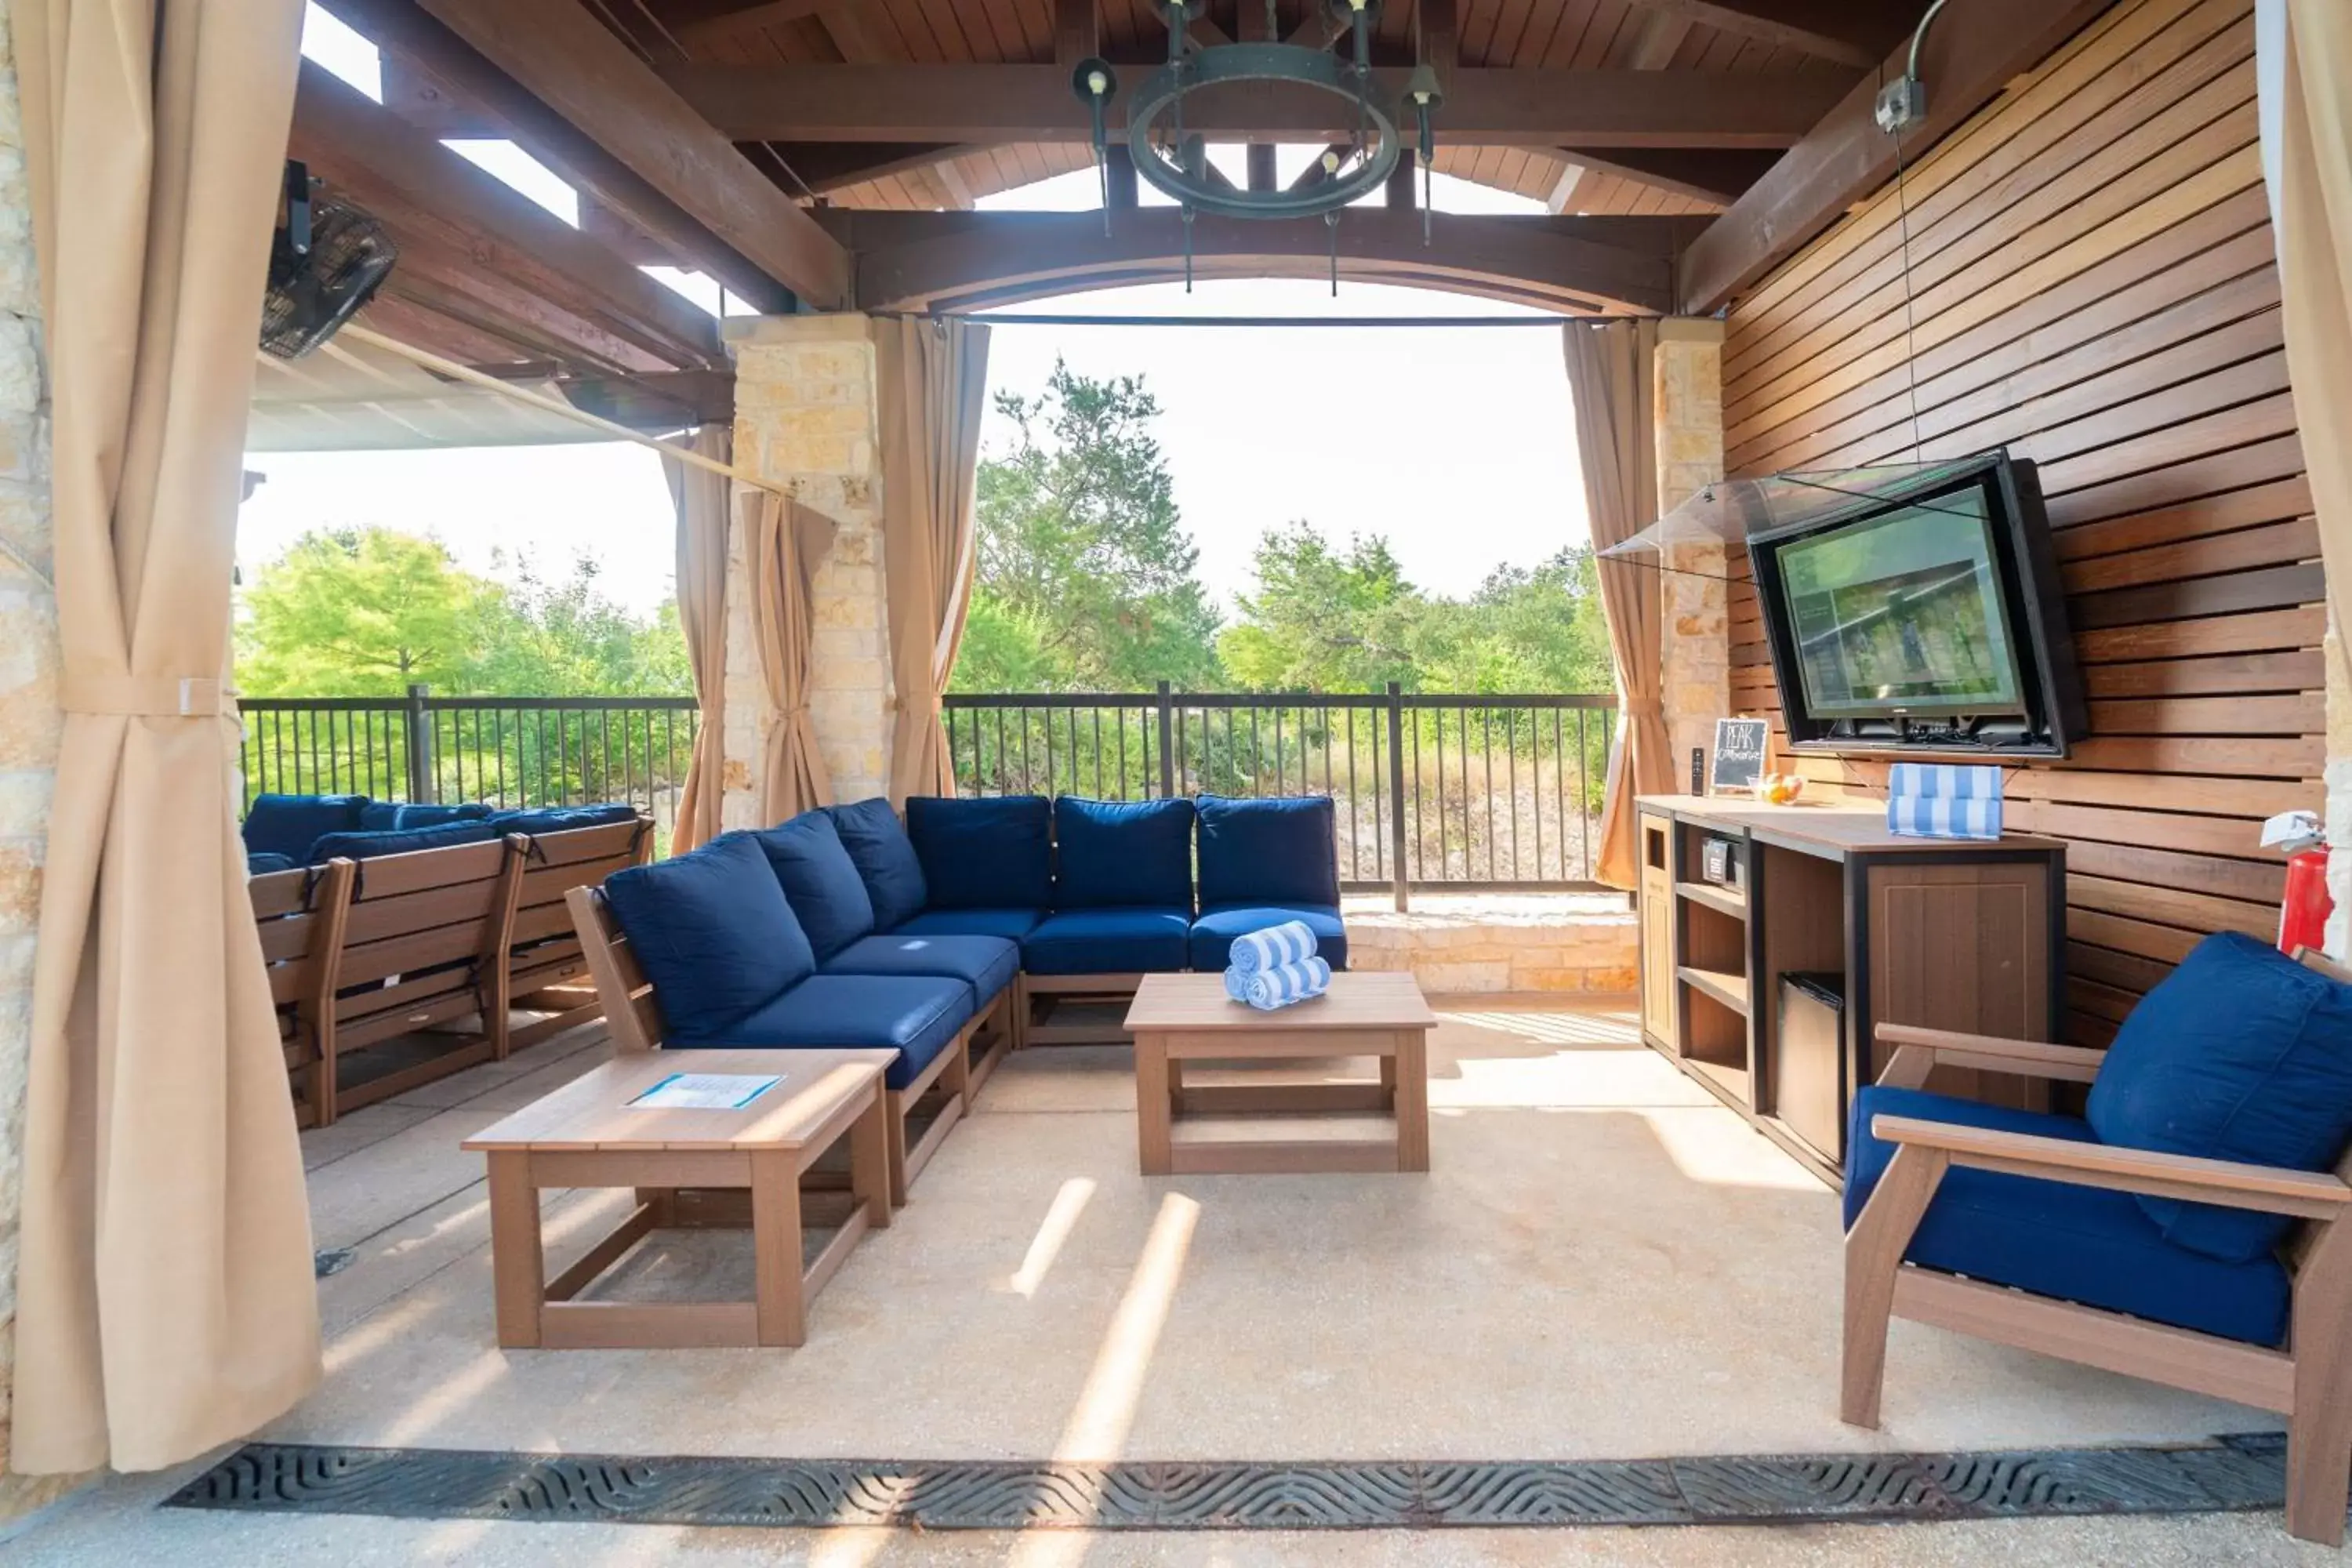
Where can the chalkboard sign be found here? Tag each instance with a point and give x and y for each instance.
(1740, 753)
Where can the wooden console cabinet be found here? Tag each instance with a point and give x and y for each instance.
(1944, 933)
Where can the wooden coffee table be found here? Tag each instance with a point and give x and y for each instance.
(587, 1134)
(1252, 1129)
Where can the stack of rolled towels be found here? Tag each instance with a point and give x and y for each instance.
(1276, 966)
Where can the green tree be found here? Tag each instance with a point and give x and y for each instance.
(359, 613)
(1085, 574)
(1537, 629)
(1322, 620)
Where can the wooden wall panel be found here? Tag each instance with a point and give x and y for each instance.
(2090, 282)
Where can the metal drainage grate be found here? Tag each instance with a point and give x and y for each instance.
(2229, 1474)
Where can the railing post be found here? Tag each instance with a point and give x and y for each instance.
(1167, 742)
(420, 744)
(1399, 882)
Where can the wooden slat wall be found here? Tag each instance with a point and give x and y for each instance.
(2091, 284)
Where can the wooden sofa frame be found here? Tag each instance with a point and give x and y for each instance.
(2309, 1382)
(943, 1091)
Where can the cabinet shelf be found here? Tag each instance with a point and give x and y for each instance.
(1722, 900)
(1728, 988)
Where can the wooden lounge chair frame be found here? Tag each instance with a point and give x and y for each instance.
(1040, 996)
(547, 971)
(943, 1091)
(298, 914)
(2309, 1382)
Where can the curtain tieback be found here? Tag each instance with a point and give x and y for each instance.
(147, 696)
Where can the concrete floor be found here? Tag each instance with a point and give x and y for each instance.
(1603, 1263)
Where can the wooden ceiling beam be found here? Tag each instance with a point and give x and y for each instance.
(1847, 156)
(424, 193)
(560, 53)
(1718, 174)
(732, 19)
(1599, 107)
(420, 328)
(441, 75)
(659, 401)
(1851, 32)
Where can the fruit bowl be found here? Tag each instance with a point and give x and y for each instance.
(1780, 789)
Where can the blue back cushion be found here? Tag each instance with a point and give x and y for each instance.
(712, 931)
(391, 815)
(1268, 851)
(990, 854)
(2239, 1054)
(821, 881)
(403, 841)
(1123, 854)
(562, 818)
(289, 824)
(884, 859)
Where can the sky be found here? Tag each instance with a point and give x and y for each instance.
(1455, 443)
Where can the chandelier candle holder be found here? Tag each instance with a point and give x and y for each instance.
(1175, 160)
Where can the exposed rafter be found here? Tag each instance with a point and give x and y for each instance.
(1718, 174)
(1034, 103)
(1851, 32)
(732, 19)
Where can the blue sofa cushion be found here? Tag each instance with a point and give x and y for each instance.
(2240, 1053)
(986, 963)
(391, 815)
(1010, 924)
(404, 841)
(1214, 932)
(1278, 852)
(562, 818)
(827, 895)
(262, 862)
(1122, 853)
(918, 1015)
(1107, 942)
(2078, 1244)
(714, 933)
(289, 824)
(988, 854)
(884, 859)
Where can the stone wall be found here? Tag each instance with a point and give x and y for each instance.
(1460, 943)
(805, 418)
(1693, 619)
(30, 723)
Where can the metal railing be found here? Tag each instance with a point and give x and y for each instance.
(508, 750)
(1484, 792)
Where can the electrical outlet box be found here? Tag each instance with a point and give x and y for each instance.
(1902, 104)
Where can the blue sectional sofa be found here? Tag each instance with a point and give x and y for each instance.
(283, 831)
(936, 937)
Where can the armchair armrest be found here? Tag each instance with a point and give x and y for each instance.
(1918, 1051)
(2225, 1182)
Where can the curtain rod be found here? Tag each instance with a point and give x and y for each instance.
(556, 405)
(1551, 324)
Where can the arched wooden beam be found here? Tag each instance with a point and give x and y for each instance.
(949, 261)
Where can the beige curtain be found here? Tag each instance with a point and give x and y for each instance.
(164, 1295)
(2307, 76)
(783, 541)
(933, 391)
(702, 498)
(1609, 378)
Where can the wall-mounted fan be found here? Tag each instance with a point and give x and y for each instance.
(328, 260)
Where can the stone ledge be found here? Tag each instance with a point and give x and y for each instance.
(1459, 943)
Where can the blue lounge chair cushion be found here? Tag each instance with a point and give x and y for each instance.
(2240, 1053)
(1010, 924)
(262, 862)
(1107, 942)
(289, 824)
(919, 1015)
(713, 931)
(1122, 853)
(879, 849)
(2078, 1244)
(986, 963)
(562, 818)
(827, 895)
(393, 816)
(1214, 932)
(404, 841)
(988, 854)
(1279, 852)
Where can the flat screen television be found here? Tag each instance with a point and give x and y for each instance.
(1919, 609)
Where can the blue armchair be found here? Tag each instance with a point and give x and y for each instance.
(2193, 1227)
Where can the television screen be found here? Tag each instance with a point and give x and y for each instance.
(1903, 614)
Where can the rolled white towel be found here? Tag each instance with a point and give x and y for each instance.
(1288, 982)
(1237, 984)
(1292, 941)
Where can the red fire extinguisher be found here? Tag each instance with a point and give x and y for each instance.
(2302, 916)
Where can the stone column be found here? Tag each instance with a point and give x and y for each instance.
(1694, 614)
(804, 417)
(30, 721)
